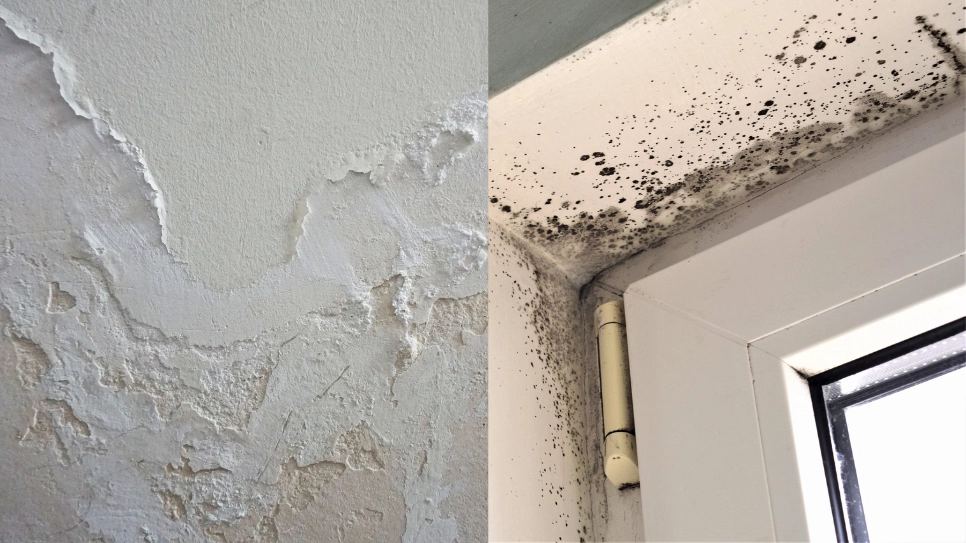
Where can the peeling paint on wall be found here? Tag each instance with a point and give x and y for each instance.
(244, 104)
(627, 149)
(340, 395)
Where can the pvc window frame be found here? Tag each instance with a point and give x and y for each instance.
(721, 345)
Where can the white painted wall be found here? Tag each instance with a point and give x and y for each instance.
(242, 284)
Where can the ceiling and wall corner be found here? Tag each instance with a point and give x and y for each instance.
(665, 137)
(242, 276)
(698, 106)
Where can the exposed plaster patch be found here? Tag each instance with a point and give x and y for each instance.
(181, 412)
(448, 323)
(361, 448)
(299, 485)
(59, 301)
(32, 362)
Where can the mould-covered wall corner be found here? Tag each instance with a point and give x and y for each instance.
(540, 469)
(715, 112)
(650, 144)
(152, 393)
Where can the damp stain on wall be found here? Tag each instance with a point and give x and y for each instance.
(610, 152)
(339, 397)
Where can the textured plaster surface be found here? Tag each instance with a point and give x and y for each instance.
(698, 106)
(241, 105)
(332, 388)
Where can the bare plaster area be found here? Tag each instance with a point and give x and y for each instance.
(699, 106)
(332, 388)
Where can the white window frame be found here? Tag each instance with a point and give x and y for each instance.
(718, 344)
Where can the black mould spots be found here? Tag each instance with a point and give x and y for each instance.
(961, 31)
(506, 209)
(756, 153)
(553, 329)
(494, 200)
(909, 94)
(951, 51)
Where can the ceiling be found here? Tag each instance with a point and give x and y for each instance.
(529, 35)
(695, 107)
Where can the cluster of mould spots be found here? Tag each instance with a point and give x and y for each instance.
(554, 352)
(648, 187)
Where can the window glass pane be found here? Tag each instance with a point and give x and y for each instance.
(892, 427)
(910, 459)
(890, 369)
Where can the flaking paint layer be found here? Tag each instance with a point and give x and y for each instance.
(341, 396)
(236, 108)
